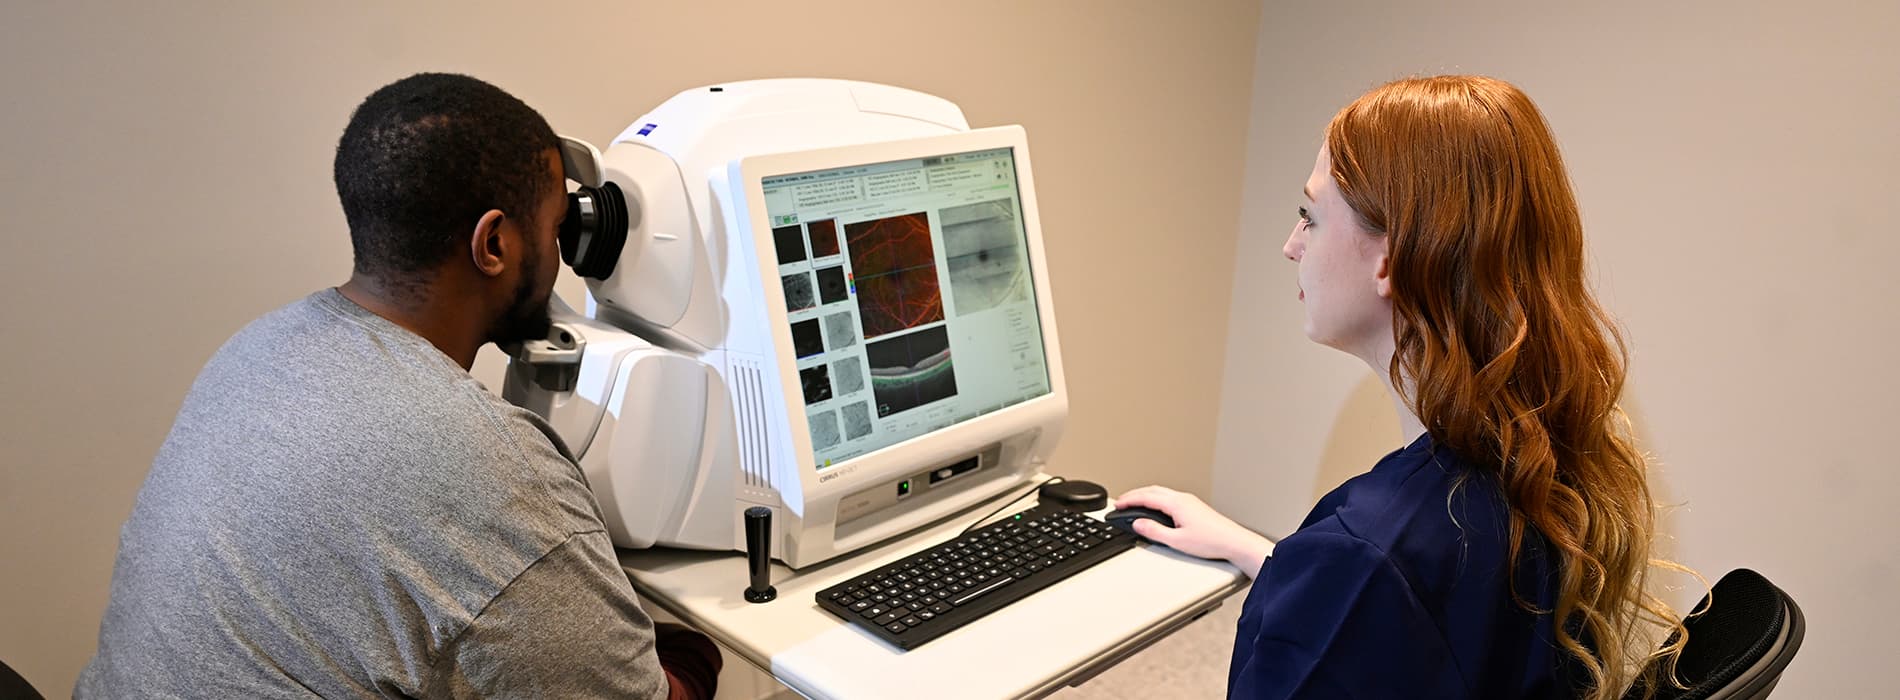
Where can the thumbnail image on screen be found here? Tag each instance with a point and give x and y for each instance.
(982, 249)
(912, 370)
(824, 238)
(896, 269)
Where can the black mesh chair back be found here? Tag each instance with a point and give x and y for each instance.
(1739, 646)
(13, 687)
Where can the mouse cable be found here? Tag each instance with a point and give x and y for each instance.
(1038, 487)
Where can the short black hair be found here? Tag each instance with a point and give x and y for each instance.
(424, 157)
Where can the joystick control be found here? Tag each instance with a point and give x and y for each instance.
(758, 554)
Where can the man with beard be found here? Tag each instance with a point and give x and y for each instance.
(341, 510)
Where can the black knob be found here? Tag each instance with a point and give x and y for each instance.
(758, 554)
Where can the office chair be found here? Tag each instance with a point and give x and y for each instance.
(13, 687)
(1739, 645)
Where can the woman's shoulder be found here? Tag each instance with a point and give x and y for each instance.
(1415, 502)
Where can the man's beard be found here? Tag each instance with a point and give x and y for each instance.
(525, 319)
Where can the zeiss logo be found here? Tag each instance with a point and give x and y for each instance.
(647, 129)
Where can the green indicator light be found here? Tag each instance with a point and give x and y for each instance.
(1019, 516)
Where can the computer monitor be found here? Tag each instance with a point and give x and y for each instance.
(832, 301)
(911, 323)
(909, 297)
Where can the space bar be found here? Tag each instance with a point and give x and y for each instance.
(965, 598)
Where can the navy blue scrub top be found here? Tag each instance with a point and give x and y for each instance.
(1395, 587)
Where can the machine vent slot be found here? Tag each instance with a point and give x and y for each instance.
(750, 395)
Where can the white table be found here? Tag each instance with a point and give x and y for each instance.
(1062, 635)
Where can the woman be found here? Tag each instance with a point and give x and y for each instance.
(1440, 243)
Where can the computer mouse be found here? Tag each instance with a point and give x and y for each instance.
(1125, 518)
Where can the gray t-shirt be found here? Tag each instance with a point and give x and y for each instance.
(341, 510)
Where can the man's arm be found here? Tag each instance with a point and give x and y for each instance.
(570, 626)
(691, 662)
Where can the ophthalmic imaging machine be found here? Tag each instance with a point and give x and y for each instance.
(819, 330)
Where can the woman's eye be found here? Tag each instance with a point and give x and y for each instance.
(1305, 218)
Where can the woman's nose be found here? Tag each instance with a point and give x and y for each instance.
(1294, 246)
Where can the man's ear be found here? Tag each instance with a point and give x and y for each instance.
(487, 245)
(1383, 276)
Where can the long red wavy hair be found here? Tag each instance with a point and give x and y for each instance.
(1502, 350)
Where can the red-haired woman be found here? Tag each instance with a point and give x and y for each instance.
(1503, 552)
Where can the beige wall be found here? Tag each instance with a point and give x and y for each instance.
(168, 179)
(1737, 164)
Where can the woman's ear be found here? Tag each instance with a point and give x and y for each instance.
(486, 244)
(1382, 275)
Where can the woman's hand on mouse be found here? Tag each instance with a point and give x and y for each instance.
(1198, 530)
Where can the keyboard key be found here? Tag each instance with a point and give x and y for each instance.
(896, 627)
(912, 621)
(889, 617)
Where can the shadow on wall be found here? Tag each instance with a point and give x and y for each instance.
(1366, 428)
(1679, 589)
(1668, 507)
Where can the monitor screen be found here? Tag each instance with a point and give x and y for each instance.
(908, 289)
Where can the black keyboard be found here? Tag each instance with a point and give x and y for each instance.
(926, 595)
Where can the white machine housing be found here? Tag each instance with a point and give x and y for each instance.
(687, 407)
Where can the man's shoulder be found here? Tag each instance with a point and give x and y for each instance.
(314, 309)
(321, 385)
(309, 334)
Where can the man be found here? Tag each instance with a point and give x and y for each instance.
(341, 510)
